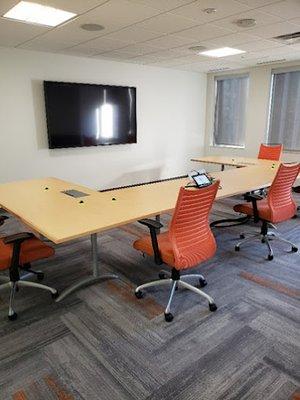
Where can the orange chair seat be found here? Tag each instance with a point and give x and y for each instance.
(31, 250)
(188, 259)
(262, 206)
(144, 244)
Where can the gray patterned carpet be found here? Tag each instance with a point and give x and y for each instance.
(102, 343)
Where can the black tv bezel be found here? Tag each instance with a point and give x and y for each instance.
(47, 107)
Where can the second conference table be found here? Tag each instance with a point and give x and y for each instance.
(42, 205)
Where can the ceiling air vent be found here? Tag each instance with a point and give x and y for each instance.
(290, 38)
(266, 62)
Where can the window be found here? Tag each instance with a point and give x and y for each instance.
(230, 110)
(284, 119)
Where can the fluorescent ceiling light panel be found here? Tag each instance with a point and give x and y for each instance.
(222, 52)
(34, 13)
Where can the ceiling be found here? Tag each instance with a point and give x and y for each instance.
(160, 32)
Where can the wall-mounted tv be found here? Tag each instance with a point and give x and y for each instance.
(80, 114)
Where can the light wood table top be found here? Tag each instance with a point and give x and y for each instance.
(234, 161)
(61, 218)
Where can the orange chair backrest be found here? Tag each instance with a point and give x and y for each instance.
(280, 199)
(190, 234)
(270, 152)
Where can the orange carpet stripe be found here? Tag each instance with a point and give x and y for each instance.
(149, 307)
(59, 391)
(271, 284)
(20, 395)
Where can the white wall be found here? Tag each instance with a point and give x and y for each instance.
(256, 114)
(170, 117)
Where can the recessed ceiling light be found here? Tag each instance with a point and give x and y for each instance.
(245, 22)
(34, 13)
(210, 10)
(197, 49)
(222, 52)
(92, 27)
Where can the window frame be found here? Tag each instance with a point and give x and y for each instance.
(275, 71)
(223, 77)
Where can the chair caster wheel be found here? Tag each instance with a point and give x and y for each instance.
(237, 248)
(139, 294)
(294, 249)
(213, 307)
(202, 282)
(55, 295)
(13, 316)
(169, 317)
(242, 236)
(162, 275)
(40, 276)
(270, 257)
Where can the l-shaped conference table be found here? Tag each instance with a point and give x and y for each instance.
(41, 204)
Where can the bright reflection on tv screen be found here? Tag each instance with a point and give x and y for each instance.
(89, 115)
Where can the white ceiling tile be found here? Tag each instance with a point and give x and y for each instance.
(262, 19)
(259, 45)
(133, 34)
(234, 39)
(6, 5)
(224, 9)
(79, 50)
(122, 12)
(169, 41)
(204, 32)
(139, 49)
(285, 9)
(166, 54)
(12, 32)
(163, 5)
(257, 3)
(295, 21)
(167, 23)
(270, 31)
(44, 44)
(102, 44)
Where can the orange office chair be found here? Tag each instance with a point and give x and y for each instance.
(279, 206)
(188, 242)
(270, 152)
(16, 254)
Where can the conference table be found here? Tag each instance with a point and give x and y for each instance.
(44, 207)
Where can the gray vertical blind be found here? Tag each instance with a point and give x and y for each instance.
(284, 122)
(230, 110)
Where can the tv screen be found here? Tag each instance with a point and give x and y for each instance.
(89, 115)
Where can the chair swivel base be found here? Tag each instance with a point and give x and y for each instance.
(165, 279)
(266, 238)
(14, 287)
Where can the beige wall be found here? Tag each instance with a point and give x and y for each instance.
(170, 121)
(256, 114)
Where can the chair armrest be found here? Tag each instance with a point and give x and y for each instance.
(151, 223)
(153, 226)
(2, 219)
(18, 237)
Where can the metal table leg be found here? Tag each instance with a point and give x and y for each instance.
(95, 278)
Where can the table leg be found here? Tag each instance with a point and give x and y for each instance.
(90, 280)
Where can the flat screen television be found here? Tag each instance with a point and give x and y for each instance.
(80, 114)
